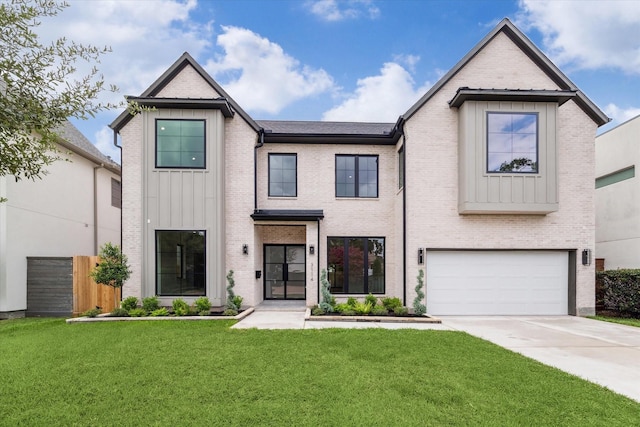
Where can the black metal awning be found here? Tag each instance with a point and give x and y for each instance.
(287, 215)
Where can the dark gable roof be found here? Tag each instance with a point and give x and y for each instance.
(329, 132)
(72, 139)
(146, 98)
(536, 55)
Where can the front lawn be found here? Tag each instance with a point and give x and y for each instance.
(203, 373)
(621, 320)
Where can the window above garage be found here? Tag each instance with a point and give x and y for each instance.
(508, 150)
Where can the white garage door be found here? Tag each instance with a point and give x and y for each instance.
(497, 282)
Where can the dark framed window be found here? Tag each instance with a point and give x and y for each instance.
(356, 176)
(116, 193)
(356, 265)
(512, 142)
(283, 171)
(401, 167)
(180, 263)
(180, 144)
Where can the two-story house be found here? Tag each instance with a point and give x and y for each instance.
(486, 184)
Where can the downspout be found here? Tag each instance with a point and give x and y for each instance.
(404, 215)
(318, 258)
(115, 142)
(95, 207)
(255, 168)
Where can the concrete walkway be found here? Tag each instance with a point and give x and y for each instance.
(604, 353)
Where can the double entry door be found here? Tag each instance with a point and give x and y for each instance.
(285, 271)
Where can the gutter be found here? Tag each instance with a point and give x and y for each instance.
(119, 147)
(404, 212)
(255, 168)
(95, 207)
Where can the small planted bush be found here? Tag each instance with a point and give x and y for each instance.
(203, 306)
(340, 308)
(317, 311)
(418, 307)
(180, 307)
(230, 312)
(119, 312)
(138, 312)
(352, 301)
(162, 311)
(371, 299)
(621, 290)
(234, 302)
(150, 304)
(348, 312)
(362, 308)
(401, 311)
(328, 301)
(390, 303)
(129, 303)
(379, 310)
(93, 312)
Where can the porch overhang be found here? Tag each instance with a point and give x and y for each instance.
(287, 215)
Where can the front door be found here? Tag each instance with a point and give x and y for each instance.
(284, 271)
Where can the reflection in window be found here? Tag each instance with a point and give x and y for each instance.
(282, 175)
(180, 144)
(180, 263)
(356, 265)
(512, 142)
(356, 176)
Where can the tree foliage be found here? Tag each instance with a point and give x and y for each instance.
(418, 307)
(112, 270)
(38, 87)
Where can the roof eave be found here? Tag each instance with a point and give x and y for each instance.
(289, 138)
(468, 94)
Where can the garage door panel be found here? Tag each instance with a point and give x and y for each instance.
(497, 282)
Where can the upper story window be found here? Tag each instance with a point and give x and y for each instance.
(356, 176)
(180, 144)
(116, 193)
(283, 175)
(512, 142)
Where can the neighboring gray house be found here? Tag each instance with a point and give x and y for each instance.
(72, 210)
(618, 196)
(476, 184)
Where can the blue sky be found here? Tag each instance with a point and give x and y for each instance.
(345, 60)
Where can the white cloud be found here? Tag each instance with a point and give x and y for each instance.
(587, 35)
(335, 10)
(620, 115)
(104, 142)
(380, 98)
(261, 76)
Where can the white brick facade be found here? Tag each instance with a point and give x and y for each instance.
(431, 144)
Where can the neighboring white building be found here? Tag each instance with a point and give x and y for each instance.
(72, 210)
(618, 196)
(476, 184)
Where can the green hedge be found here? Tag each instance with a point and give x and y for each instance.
(619, 290)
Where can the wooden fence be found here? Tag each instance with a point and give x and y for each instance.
(61, 287)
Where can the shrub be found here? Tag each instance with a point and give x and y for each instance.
(150, 304)
(317, 311)
(371, 299)
(348, 312)
(352, 301)
(230, 312)
(418, 307)
(401, 311)
(328, 301)
(390, 303)
(621, 290)
(379, 310)
(138, 312)
(233, 301)
(93, 312)
(362, 308)
(119, 312)
(237, 301)
(112, 269)
(203, 304)
(180, 307)
(342, 307)
(162, 311)
(129, 303)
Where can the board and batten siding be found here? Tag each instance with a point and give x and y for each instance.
(186, 199)
(527, 193)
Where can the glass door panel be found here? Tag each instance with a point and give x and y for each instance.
(285, 271)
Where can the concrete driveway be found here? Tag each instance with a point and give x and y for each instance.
(604, 353)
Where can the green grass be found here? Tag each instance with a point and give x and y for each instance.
(203, 373)
(621, 320)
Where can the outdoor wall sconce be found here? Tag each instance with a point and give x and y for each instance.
(312, 249)
(586, 257)
(258, 274)
(420, 256)
(245, 249)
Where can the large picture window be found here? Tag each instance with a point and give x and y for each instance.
(512, 142)
(356, 265)
(180, 263)
(356, 176)
(180, 144)
(283, 175)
